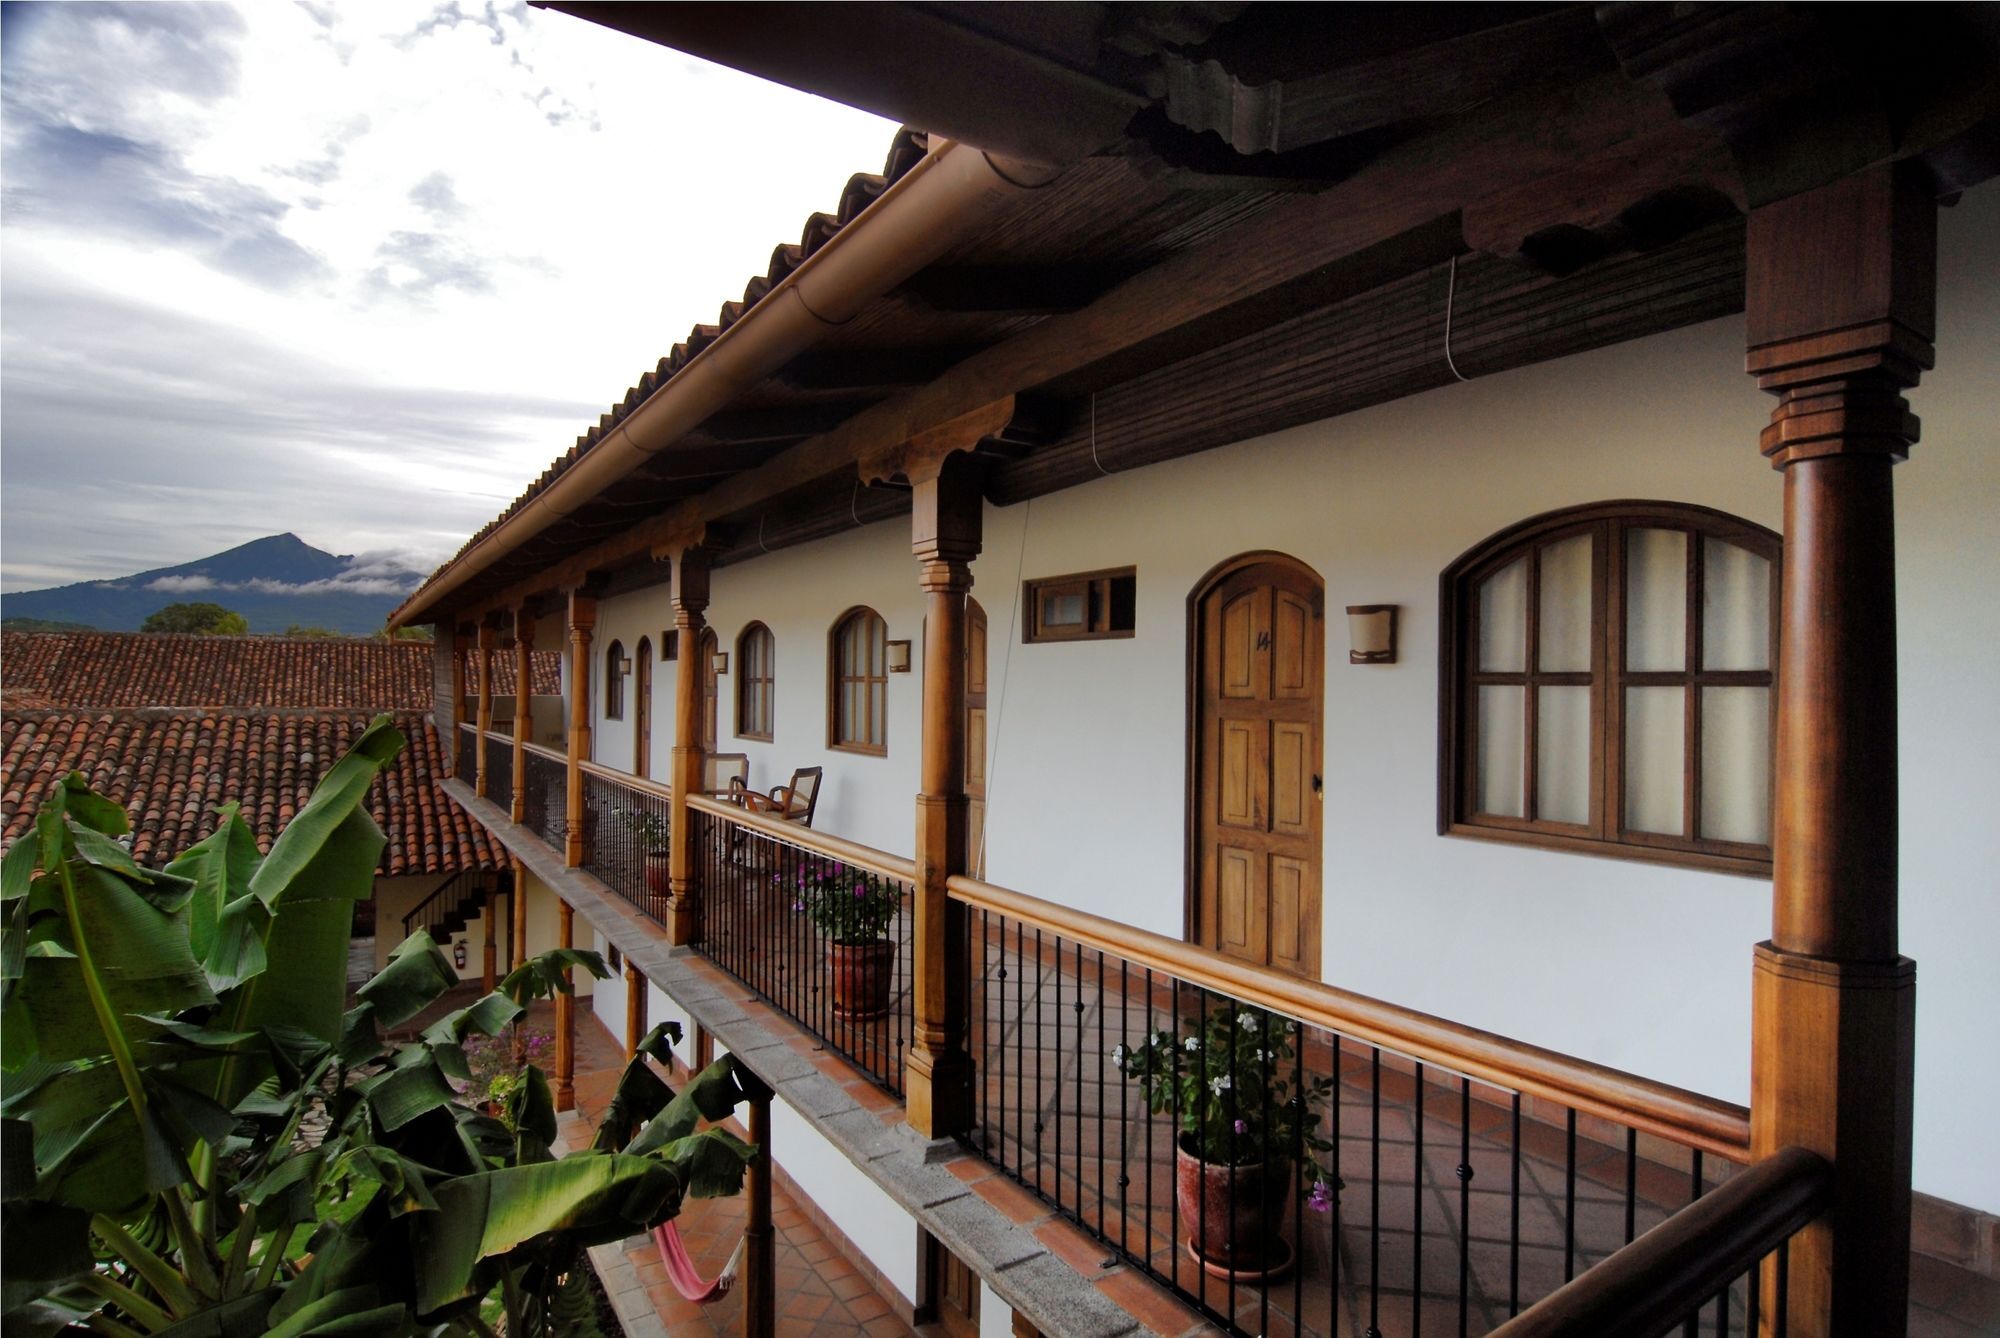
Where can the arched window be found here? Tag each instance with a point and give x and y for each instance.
(614, 681)
(1608, 680)
(858, 683)
(756, 682)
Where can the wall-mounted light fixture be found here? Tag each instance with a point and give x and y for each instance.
(458, 954)
(899, 657)
(1371, 633)
(721, 661)
(624, 664)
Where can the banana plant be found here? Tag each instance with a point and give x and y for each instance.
(198, 1138)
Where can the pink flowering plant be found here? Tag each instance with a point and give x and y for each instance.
(850, 906)
(1231, 1077)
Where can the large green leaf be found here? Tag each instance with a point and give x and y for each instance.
(595, 1196)
(711, 1163)
(140, 953)
(245, 1317)
(417, 974)
(407, 1091)
(45, 1245)
(710, 1095)
(221, 868)
(548, 974)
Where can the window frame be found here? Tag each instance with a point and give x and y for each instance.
(748, 683)
(1459, 678)
(1095, 588)
(836, 679)
(614, 681)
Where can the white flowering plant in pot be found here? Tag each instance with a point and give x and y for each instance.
(1247, 1110)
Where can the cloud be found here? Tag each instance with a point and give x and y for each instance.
(181, 585)
(419, 264)
(434, 195)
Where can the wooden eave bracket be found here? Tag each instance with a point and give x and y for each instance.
(921, 458)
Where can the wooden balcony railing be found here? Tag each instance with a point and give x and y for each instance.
(1695, 1260)
(500, 768)
(1441, 1177)
(777, 899)
(545, 798)
(627, 822)
(465, 761)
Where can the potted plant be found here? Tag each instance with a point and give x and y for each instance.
(651, 829)
(854, 909)
(1247, 1115)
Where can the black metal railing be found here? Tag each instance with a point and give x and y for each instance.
(1726, 1245)
(1284, 1176)
(820, 928)
(625, 837)
(500, 770)
(466, 763)
(545, 796)
(451, 905)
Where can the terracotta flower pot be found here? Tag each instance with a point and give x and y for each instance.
(860, 978)
(1234, 1215)
(657, 880)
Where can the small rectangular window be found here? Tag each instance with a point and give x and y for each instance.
(1087, 606)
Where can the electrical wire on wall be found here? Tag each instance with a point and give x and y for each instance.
(1006, 682)
(1450, 296)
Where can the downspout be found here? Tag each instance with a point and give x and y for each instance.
(916, 220)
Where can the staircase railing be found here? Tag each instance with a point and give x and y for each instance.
(444, 900)
(1665, 1278)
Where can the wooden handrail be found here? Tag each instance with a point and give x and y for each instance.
(550, 754)
(1683, 1117)
(819, 843)
(625, 778)
(1653, 1284)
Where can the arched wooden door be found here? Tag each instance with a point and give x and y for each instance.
(975, 735)
(1259, 684)
(706, 649)
(642, 718)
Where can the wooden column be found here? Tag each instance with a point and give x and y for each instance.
(524, 703)
(582, 620)
(461, 646)
(520, 949)
(760, 1255)
(489, 965)
(690, 595)
(635, 1008)
(1841, 287)
(565, 1083)
(945, 535)
(483, 720)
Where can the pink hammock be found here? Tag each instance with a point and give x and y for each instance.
(681, 1271)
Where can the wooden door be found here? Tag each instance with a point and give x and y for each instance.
(706, 649)
(975, 736)
(1260, 671)
(642, 718)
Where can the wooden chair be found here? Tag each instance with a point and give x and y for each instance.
(796, 802)
(725, 775)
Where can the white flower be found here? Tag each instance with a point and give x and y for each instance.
(1192, 1043)
(1246, 1019)
(1220, 1085)
(1118, 1054)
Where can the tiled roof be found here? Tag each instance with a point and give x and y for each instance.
(861, 190)
(92, 670)
(547, 672)
(171, 769)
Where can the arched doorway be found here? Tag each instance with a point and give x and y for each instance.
(1257, 638)
(642, 717)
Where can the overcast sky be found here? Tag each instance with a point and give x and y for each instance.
(357, 271)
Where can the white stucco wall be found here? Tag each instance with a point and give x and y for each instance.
(1639, 966)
